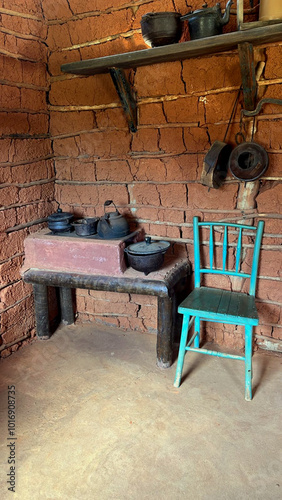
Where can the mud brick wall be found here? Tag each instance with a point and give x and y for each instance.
(26, 171)
(154, 175)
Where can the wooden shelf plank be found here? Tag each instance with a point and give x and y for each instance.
(178, 51)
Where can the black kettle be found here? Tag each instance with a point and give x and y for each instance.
(112, 225)
(207, 21)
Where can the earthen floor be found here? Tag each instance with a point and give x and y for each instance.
(96, 419)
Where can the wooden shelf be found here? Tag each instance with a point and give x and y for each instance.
(177, 51)
(241, 40)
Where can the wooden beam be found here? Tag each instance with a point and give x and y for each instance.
(248, 75)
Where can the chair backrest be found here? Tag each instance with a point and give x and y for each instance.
(225, 230)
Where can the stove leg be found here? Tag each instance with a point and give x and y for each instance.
(165, 332)
(41, 311)
(67, 315)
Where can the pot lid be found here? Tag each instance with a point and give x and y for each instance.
(248, 161)
(148, 247)
(60, 216)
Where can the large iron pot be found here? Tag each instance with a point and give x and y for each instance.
(112, 225)
(60, 222)
(147, 256)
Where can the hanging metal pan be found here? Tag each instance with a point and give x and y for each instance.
(248, 161)
(215, 164)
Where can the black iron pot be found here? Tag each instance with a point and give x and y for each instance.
(161, 28)
(60, 222)
(86, 226)
(147, 256)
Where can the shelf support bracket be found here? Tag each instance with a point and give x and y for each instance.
(248, 74)
(126, 96)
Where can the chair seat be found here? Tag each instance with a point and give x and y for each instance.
(220, 305)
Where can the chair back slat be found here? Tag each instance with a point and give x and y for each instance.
(211, 247)
(224, 250)
(237, 230)
(256, 258)
(239, 251)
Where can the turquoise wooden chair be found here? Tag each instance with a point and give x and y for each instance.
(221, 306)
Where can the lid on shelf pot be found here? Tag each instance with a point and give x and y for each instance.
(148, 247)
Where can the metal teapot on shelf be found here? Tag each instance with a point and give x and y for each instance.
(112, 224)
(207, 21)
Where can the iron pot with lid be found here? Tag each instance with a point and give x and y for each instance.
(60, 222)
(147, 256)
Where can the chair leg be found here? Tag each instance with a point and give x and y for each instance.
(248, 362)
(197, 329)
(182, 351)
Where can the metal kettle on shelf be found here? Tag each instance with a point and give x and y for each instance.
(207, 21)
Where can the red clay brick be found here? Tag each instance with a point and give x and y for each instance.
(9, 271)
(171, 140)
(83, 91)
(272, 69)
(93, 28)
(268, 134)
(10, 97)
(144, 194)
(173, 195)
(151, 114)
(74, 121)
(34, 100)
(8, 195)
(93, 5)
(82, 171)
(145, 140)
(148, 169)
(111, 118)
(159, 79)
(107, 144)
(114, 171)
(204, 198)
(196, 139)
(269, 289)
(56, 9)
(13, 293)
(212, 72)
(269, 198)
(185, 110)
(270, 263)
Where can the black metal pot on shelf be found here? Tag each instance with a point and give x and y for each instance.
(60, 222)
(161, 28)
(147, 256)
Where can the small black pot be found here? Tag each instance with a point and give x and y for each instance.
(147, 256)
(161, 28)
(86, 226)
(60, 222)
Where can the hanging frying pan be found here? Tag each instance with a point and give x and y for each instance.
(215, 164)
(248, 161)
